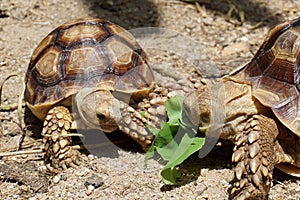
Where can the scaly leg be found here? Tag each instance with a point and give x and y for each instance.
(57, 143)
(254, 154)
(133, 124)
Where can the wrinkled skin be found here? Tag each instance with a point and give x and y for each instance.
(259, 138)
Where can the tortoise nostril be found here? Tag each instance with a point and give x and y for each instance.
(101, 116)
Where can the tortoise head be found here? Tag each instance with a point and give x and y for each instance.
(198, 108)
(223, 106)
(98, 109)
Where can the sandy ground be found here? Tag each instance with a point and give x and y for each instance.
(203, 39)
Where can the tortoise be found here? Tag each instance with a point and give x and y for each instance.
(96, 69)
(262, 113)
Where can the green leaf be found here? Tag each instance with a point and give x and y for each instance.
(165, 135)
(163, 142)
(186, 147)
(149, 154)
(154, 131)
(170, 175)
(174, 142)
(174, 109)
(167, 151)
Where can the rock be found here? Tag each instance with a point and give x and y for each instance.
(56, 178)
(91, 157)
(82, 173)
(94, 180)
(208, 20)
(89, 190)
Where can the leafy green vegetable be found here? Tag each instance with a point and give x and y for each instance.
(186, 147)
(170, 175)
(174, 142)
(174, 108)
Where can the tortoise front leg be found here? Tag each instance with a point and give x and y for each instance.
(133, 124)
(57, 142)
(254, 155)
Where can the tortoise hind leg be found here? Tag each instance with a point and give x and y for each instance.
(254, 154)
(57, 143)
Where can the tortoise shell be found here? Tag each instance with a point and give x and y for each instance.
(87, 52)
(274, 73)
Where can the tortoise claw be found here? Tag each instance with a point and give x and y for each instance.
(72, 159)
(70, 162)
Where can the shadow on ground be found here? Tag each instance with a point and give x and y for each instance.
(255, 12)
(127, 13)
(143, 13)
(94, 142)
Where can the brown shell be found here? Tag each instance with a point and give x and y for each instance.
(84, 53)
(274, 73)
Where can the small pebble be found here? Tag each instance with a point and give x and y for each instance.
(244, 39)
(82, 172)
(56, 178)
(69, 195)
(224, 182)
(81, 195)
(89, 190)
(126, 184)
(94, 180)
(208, 20)
(204, 172)
(63, 177)
(91, 157)
(25, 188)
(175, 93)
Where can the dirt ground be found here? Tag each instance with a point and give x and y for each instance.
(202, 38)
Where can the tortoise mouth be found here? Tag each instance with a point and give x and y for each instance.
(108, 126)
(106, 123)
